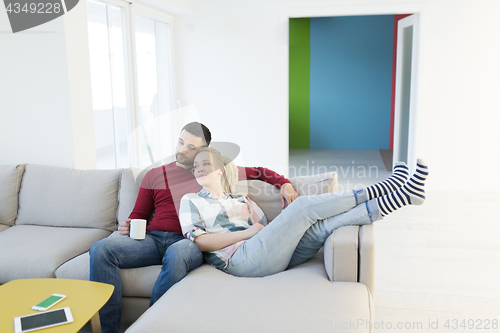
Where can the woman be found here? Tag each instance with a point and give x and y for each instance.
(233, 233)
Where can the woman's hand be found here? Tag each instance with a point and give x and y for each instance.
(124, 228)
(288, 194)
(254, 229)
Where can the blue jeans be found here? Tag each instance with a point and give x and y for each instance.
(177, 255)
(299, 231)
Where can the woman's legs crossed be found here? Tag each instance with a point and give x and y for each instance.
(270, 250)
(383, 202)
(316, 235)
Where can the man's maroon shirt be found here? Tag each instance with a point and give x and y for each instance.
(162, 189)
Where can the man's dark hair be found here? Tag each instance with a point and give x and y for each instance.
(199, 130)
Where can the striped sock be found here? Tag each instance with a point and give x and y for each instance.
(412, 193)
(396, 180)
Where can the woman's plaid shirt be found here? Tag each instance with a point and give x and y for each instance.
(200, 214)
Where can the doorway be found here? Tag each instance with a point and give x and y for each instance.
(402, 122)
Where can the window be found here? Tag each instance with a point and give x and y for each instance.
(154, 90)
(131, 83)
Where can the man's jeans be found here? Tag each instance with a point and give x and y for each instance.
(299, 231)
(177, 255)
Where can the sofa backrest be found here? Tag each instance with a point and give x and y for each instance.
(10, 183)
(130, 182)
(64, 197)
(268, 197)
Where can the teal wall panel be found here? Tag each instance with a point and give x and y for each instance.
(351, 82)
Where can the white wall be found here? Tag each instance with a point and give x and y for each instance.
(35, 125)
(80, 87)
(45, 97)
(462, 108)
(232, 64)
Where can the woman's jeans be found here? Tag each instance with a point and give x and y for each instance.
(299, 231)
(177, 255)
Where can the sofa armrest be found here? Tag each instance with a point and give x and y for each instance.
(367, 256)
(350, 255)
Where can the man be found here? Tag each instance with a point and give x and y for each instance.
(159, 196)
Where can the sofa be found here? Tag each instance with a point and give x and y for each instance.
(50, 217)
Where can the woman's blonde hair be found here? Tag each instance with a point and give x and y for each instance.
(230, 172)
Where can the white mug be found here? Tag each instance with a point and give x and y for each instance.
(138, 229)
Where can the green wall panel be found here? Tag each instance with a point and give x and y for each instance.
(298, 85)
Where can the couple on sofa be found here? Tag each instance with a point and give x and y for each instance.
(230, 229)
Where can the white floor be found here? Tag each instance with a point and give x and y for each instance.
(436, 264)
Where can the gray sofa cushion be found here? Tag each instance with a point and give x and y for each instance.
(63, 197)
(268, 198)
(77, 268)
(29, 251)
(130, 183)
(10, 182)
(139, 282)
(301, 299)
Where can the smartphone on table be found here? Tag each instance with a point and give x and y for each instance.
(48, 302)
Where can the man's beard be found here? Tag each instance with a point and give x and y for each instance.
(184, 161)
